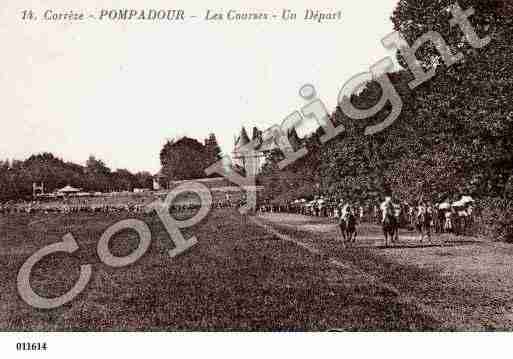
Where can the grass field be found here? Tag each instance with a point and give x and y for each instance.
(270, 273)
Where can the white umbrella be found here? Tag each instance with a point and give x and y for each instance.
(466, 199)
(444, 205)
(458, 204)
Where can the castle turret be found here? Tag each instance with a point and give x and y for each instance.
(242, 140)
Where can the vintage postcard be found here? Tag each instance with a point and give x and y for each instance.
(258, 167)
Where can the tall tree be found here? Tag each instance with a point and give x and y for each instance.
(466, 108)
(144, 180)
(455, 131)
(183, 159)
(97, 175)
(123, 180)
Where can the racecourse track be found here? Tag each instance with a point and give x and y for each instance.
(269, 272)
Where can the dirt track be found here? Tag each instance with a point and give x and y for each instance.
(462, 283)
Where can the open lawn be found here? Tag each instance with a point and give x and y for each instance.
(269, 273)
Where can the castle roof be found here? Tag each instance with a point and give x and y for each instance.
(243, 139)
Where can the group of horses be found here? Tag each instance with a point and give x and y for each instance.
(425, 218)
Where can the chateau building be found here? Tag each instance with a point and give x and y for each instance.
(251, 155)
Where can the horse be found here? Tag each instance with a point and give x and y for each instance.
(461, 220)
(423, 223)
(391, 227)
(439, 219)
(448, 222)
(348, 227)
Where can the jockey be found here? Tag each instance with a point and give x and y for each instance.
(448, 221)
(410, 212)
(346, 209)
(386, 207)
(421, 208)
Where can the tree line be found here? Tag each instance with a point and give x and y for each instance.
(183, 158)
(454, 134)
(17, 177)
(186, 158)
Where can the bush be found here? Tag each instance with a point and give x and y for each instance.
(496, 219)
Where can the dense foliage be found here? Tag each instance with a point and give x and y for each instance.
(17, 177)
(187, 158)
(454, 135)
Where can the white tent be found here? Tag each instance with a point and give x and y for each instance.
(68, 189)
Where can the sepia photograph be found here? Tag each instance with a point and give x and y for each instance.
(331, 168)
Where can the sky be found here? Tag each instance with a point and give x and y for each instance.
(118, 90)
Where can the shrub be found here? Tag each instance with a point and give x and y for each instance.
(496, 219)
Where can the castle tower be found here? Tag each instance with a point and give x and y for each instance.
(246, 157)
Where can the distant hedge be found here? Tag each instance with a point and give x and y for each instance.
(495, 219)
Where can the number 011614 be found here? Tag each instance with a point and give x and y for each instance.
(31, 346)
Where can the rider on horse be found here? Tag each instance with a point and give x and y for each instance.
(390, 219)
(387, 208)
(424, 219)
(347, 222)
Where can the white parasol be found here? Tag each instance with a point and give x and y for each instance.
(444, 205)
(466, 199)
(458, 204)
